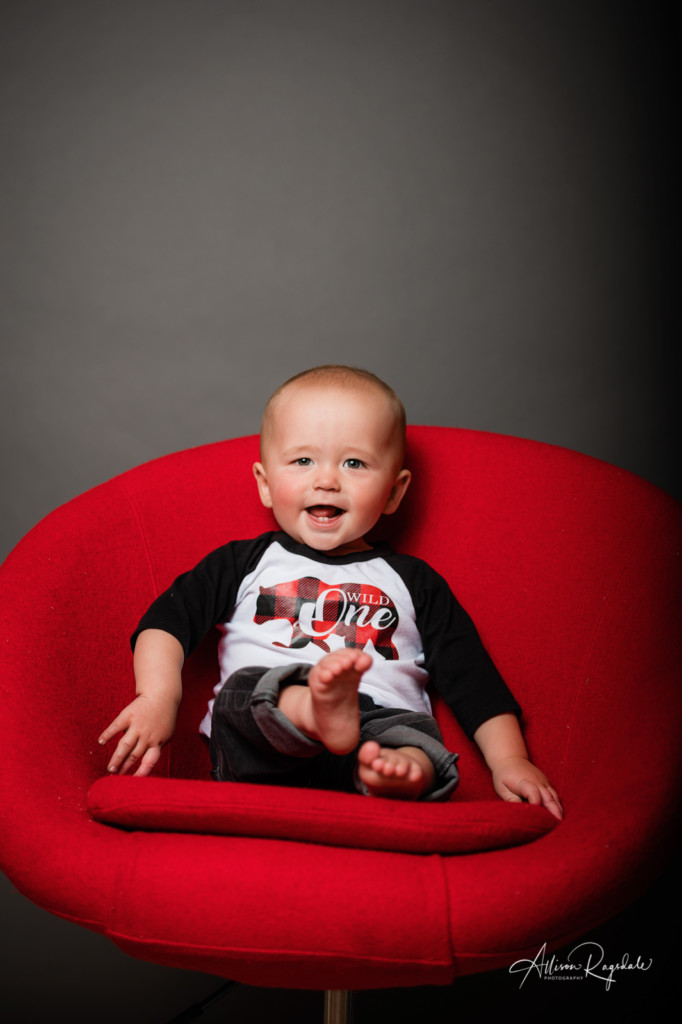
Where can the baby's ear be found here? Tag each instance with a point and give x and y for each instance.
(262, 481)
(400, 485)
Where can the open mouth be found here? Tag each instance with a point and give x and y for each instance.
(323, 514)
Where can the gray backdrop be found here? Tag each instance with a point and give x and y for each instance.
(200, 198)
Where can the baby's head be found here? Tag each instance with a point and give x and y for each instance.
(332, 449)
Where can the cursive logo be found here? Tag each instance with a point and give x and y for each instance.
(587, 960)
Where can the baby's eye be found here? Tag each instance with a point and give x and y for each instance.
(354, 463)
(303, 461)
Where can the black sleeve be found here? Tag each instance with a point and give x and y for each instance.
(459, 667)
(204, 596)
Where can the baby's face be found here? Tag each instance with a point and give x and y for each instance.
(331, 464)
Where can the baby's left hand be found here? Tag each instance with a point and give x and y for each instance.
(516, 779)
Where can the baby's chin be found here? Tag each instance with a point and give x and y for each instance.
(323, 528)
(330, 544)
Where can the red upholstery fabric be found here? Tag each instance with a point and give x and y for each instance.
(333, 819)
(570, 569)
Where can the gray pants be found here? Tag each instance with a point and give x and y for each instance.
(253, 741)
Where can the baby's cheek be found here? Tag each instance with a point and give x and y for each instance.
(287, 501)
(287, 496)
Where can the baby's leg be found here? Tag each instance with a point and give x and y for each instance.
(404, 772)
(251, 741)
(327, 708)
(402, 755)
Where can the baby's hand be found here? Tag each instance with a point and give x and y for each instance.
(146, 724)
(516, 779)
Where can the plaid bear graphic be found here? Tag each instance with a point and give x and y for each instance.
(356, 612)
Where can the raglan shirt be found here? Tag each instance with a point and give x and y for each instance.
(275, 600)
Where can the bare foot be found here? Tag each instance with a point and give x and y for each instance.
(327, 708)
(403, 773)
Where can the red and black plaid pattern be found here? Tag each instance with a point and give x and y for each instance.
(356, 612)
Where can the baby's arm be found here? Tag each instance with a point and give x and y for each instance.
(514, 777)
(149, 721)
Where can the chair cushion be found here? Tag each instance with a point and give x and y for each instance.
(336, 819)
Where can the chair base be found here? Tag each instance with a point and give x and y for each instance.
(197, 1009)
(339, 1006)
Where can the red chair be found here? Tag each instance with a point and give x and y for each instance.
(570, 568)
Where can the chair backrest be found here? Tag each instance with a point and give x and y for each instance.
(559, 558)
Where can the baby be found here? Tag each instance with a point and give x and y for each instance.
(301, 699)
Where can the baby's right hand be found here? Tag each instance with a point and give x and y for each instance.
(147, 724)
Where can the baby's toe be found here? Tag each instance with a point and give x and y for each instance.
(369, 752)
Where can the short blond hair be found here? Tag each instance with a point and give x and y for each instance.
(345, 377)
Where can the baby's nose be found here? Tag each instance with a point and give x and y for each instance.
(327, 479)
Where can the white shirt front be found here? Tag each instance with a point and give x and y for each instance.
(295, 608)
